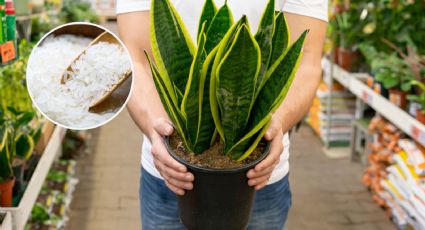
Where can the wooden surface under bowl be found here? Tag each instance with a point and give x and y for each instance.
(84, 30)
(115, 100)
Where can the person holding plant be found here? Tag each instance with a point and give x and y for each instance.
(162, 176)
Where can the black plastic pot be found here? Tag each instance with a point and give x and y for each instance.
(220, 198)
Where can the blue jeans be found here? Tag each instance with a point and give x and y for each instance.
(159, 209)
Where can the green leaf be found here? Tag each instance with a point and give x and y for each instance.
(24, 119)
(208, 12)
(387, 80)
(236, 78)
(24, 145)
(420, 85)
(36, 133)
(413, 98)
(249, 142)
(3, 137)
(220, 24)
(191, 105)
(264, 37)
(280, 38)
(171, 109)
(406, 86)
(39, 213)
(206, 124)
(172, 46)
(221, 50)
(13, 110)
(279, 79)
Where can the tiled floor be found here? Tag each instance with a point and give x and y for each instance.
(107, 194)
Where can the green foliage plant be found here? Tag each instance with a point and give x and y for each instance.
(228, 84)
(78, 11)
(389, 69)
(20, 127)
(348, 27)
(19, 132)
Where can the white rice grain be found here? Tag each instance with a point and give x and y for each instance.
(96, 71)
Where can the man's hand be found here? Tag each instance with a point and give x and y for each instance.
(260, 175)
(176, 176)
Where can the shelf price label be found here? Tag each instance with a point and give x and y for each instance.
(368, 98)
(418, 135)
(7, 51)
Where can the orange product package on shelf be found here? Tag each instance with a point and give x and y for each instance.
(7, 51)
(396, 174)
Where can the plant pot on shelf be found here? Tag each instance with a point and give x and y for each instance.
(420, 116)
(398, 98)
(18, 167)
(220, 198)
(346, 58)
(6, 189)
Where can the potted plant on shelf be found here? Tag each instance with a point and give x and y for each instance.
(220, 97)
(16, 147)
(393, 72)
(18, 126)
(347, 27)
(396, 21)
(25, 131)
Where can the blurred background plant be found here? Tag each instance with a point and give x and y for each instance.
(78, 11)
(372, 23)
(389, 69)
(396, 21)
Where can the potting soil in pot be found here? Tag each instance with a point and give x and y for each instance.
(213, 157)
(95, 71)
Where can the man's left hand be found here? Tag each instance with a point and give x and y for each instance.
(260, 175)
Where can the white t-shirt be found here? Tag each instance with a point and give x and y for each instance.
(190, 11)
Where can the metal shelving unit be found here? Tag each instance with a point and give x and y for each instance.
(397, 116)
(21, 213)
(328, 71)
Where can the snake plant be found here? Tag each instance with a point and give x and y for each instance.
(228, 84)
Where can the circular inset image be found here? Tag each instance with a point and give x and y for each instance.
(79, 75)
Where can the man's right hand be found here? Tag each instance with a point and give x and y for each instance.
(176, 176)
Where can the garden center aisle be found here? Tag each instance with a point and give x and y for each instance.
(327, 193)
(107, 195)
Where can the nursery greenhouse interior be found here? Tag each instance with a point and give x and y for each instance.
(356, 156)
